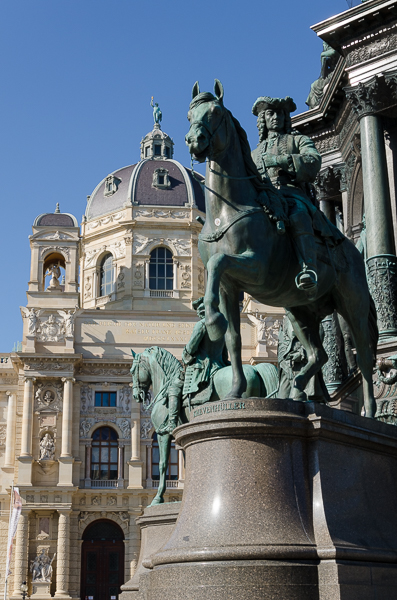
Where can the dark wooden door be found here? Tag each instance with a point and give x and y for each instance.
(102, 569)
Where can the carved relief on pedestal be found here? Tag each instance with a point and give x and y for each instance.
(200, 280)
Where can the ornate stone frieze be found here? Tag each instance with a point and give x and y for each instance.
(326, 184)
(65, 250)
(86, 398)
(116, 371)
(105, 221)
(124, 400)
(376, 48)
(162, 214)
(373, 96)
(181, 247)
(125, 427)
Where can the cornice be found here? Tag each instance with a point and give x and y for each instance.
(344, 27)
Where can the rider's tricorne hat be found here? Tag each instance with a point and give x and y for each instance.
(264, 102)
(198, 302)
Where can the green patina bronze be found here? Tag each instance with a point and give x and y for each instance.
(329, 58)
(206, 379)
(157, 114)
(243, 251)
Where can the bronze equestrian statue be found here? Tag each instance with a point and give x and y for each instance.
(242, 249)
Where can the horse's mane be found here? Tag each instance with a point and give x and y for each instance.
(167, 361)
(268, 196)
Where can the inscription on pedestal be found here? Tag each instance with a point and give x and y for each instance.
(222, 406)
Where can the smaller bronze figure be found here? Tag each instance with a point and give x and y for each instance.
(329, 58)
(291, 357)
(203, 359)
(157, 114)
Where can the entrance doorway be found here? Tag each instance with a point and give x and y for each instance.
(102, 561)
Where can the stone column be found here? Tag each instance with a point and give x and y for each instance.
(21, 569)
(9, 458)
(27, 417)
(147, 274)
(120, 465)
(63, 544)
(135, 435)
(88, 450)
(67, 417)
(367, 100)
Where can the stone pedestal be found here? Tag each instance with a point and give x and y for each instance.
(156, 523)
(283, 500)
(41, 590)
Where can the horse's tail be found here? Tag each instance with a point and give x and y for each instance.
(373, 327)
(269, 376)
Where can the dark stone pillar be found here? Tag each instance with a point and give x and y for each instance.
(368, 100)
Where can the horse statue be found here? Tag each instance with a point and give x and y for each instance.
(242, 251)
(160, 369)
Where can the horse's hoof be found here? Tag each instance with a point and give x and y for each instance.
(216, 327)
(156, 501)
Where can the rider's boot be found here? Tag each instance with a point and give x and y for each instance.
(173, 413)
(303, 235)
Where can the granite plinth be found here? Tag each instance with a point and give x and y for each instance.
(156, 524)
(283, 500)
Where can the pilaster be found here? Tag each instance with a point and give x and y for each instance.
(63, 548)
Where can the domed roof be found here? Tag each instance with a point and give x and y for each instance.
(151, 182)
(55, 219)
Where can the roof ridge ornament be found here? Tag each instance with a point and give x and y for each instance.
(57, 210)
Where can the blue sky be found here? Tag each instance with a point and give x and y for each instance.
(77, 77)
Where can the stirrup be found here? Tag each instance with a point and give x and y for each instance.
(304, 280)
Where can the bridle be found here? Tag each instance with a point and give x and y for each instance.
(137, 391)
(212, 154)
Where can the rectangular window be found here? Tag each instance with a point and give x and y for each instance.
(161, 179)
(105, 398)
(147, 151)
(167, 152)
(157, 150)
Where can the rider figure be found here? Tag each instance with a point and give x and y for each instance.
(291, 162)
(203, 358)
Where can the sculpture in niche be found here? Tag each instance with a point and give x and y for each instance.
(55, 272)
(236, 243)
(41, 566)
(47, 447)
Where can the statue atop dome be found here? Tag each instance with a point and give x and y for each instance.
(157, 114)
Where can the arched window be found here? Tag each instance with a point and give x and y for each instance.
(161, 268)
(172, 469)
(104, 454)
(106, 276)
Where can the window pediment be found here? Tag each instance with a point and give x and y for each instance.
(161, 179)
(111, 185)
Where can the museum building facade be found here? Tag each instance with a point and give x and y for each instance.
(83, 453)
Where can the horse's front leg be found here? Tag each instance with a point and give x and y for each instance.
(164, 441)
(307, 330)
(230, 307)
(239, 266)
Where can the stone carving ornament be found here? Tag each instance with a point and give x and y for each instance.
(41, 566)
(162, 214)
(85, 426)
(87, 398)
(32, 315)
(125, 398)
(47, 447)
(182, 247)
(378, 47)
(68, 321)
(3, 431)
(186, 277)
(117, 249)
(125, 428)
(51, 329)
(146, 426)
(48, 396)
